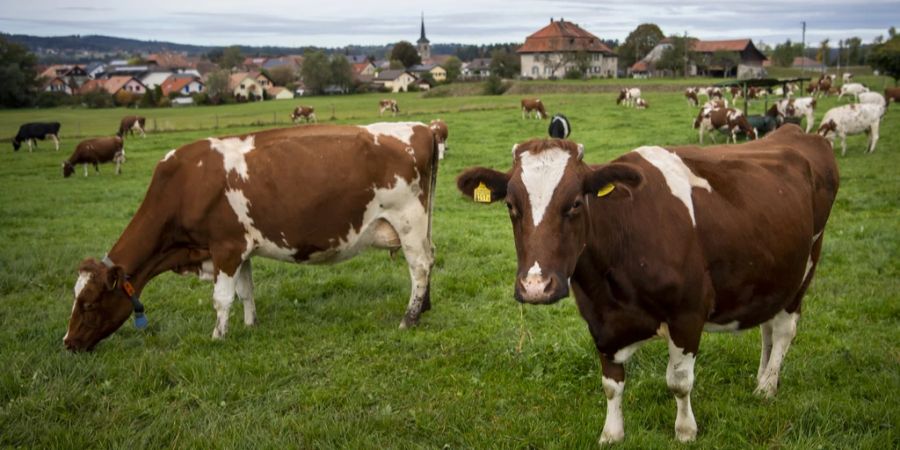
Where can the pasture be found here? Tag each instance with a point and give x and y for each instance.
(326, 365)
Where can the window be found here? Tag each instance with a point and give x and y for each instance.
(535, 70)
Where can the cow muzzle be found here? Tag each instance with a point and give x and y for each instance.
(538, 289)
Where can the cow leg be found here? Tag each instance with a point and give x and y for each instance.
(419, 253)
(244, 288)
(843, 144)
(765, 334)
(873, 137)
(30, 148)
(683, 340)
(85, 168)
(784, 328)
(810, 120)
(700, 132)
(227, 266)
(55, 141)
(613, 388)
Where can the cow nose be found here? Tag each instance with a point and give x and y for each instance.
(537, 289)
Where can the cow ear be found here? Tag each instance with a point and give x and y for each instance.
(600, 178)
(482, 184)
(115, 276)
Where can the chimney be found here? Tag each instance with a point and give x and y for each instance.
(551, 20)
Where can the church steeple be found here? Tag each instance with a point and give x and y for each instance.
(423, 46)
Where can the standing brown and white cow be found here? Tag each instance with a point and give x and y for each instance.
(691, 95)
(670, 242)
(269, 194)
(533, 105)
(439, 128)
(304, 112)
(130, 124)
(388, 105)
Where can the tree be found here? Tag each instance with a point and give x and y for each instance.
(886, 58)
(854, 55)
(282, 75)
(784, 54)
(316, 71)
(217, 84)
(638, 43)
(505, 64)
(453, 66)
(341, 72)
(231, 57)
(676, 57)
(728, 61)
(20, 84)
(822, 54)
(404, 52)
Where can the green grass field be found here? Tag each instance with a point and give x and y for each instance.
(326, 365)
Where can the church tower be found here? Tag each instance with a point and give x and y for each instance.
(423, 45)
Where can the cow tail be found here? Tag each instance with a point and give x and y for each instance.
(434, 171)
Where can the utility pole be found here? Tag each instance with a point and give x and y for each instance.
(803, 52)
(686, 45)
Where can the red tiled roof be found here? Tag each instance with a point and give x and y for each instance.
(640, 66)
(91, 85)
(175, 84)
(170, 60)
(734, 45)
(562, 36)
(114, 84)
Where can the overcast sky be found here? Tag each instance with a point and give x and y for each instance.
(337, 23)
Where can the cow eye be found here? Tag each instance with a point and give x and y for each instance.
(512, 210)
(574, 209)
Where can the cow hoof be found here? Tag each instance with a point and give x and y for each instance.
(218, 334)
(611, 438)
(685, 434)
(408, 322)
(766, 390)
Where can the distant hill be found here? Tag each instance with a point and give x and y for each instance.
(87, 48)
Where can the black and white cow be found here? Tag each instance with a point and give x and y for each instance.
(29, 132)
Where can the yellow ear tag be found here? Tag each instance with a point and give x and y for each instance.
(605, 190)
(482, 194)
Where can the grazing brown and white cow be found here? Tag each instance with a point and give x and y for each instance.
(853, 89)
(130, 124)
(691, 95)
(388, 105)
(797, 108)
(728, 119)
(640, 103)
(847, 77)
(441, 132)
(628, 96)
(215, 203)
(96, 151)
(852, 119)
(304, 112)
(824, 87)
(670, 242)
(535, 106)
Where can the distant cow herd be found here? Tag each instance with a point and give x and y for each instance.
(660, 242)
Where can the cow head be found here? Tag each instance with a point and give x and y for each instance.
(622, 95)
(827, 129)
(16, 144)
(101, 305)
(68, 169)
(548, 193)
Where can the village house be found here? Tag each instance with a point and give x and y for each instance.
(64, 78)
(703, 59)
(476, 69)
(244, 86)
(394, 80)
(114, 85)
(555, 49)
(279, 93)
(184, 85)
(153, 79)
(364, 68)
(262, 79)
(437, 72)
(806, 63)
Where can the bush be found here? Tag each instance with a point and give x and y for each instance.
(53, 99)
(495, 85)
(125, 98)
(201, 98)
(164, 102)
(574, 74)
(97, 99)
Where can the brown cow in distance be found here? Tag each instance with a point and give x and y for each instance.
(304, 112)
(388, 105)
(669, 242)
(96, 151)
(892, 95)
(131, 123)
(533, 105)
(691, 95)
(214, 204)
